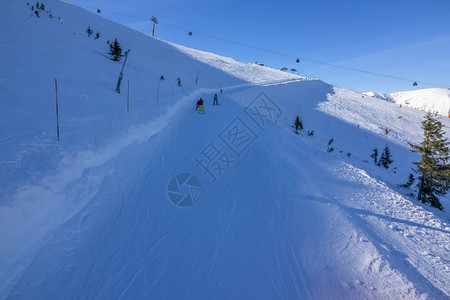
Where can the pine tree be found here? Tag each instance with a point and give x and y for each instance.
(434, 166)
(115, 51)
(374, 155)
(385, 158)
(89, 31)
(410, 181)
(298, 124)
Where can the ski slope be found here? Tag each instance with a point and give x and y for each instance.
(277, 216)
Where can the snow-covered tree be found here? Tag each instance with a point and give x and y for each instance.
(434, 166)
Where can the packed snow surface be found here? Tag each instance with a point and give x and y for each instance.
(143, 197)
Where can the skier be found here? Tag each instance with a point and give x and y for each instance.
(37, 13)
(215, 102)
(161, 78)
(221, 91)
(200, 106)
(179, 81)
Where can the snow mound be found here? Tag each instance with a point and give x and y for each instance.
(376, 95)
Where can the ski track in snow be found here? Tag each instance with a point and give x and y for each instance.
(90, 217)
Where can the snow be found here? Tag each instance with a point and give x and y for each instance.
(90, 216)
(434, 100)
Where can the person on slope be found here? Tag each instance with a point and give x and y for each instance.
(215, 102)
(199, 107)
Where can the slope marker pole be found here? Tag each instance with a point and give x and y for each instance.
(157, 93)
(128, 97)
(57, 110)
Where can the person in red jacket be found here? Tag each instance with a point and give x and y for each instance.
(200, 106)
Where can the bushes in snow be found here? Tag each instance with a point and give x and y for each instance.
(329, 147)
(385, 158)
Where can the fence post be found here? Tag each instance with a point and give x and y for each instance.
(57, 110)
(128, 97)
(157, 92)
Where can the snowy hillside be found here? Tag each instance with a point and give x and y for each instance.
(376, 95)
(148, 199)
(434, 100)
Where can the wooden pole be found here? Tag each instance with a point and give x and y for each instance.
(57, 110)
(128, 97)
(157, 93)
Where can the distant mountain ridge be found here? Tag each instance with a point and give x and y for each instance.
(434, 99)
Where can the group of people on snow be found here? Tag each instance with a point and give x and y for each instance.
(200, 108)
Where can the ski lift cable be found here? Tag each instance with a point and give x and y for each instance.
(306, 59)
(314, 61)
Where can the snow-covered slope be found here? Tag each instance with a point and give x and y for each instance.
(250, 72)
(277, 215)
(434, 100)
(376, 95)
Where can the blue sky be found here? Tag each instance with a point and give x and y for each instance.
(407, 40)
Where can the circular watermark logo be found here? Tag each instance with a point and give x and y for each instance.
(184, 190)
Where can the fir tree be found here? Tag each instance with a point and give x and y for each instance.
(374, 155)
(385, 158)
(410, 181)
(434, 166)
(298, 124)
(115, 51)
